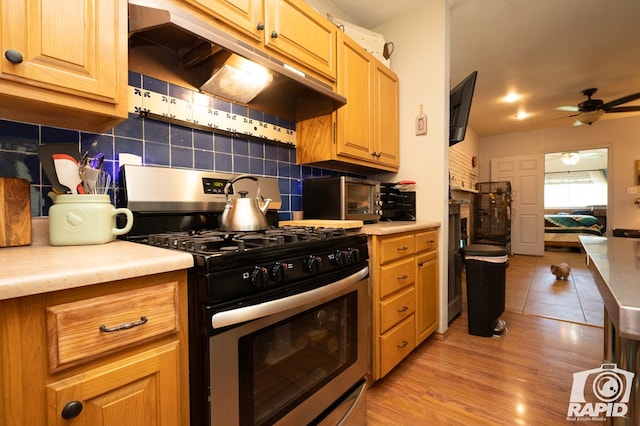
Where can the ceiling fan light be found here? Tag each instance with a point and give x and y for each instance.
(570, 158)
(590, 116)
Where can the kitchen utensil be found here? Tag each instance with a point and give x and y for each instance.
(102, 182)
(15, 212)
(68, 174)
(82, 219)
(244, 214)
(45, 154)
(96, 162)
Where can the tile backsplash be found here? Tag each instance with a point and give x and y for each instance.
(159, 143)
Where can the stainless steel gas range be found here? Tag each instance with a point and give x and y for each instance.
(278, 318)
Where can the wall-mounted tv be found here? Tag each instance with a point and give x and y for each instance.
(460, 107)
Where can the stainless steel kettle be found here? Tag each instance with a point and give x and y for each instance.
(243, 213)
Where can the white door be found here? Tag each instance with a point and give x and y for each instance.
(526, 174)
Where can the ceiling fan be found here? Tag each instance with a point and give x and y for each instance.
(591, 110)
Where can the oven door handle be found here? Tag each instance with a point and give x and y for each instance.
(249, 313)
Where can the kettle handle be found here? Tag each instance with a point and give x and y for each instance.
(237, 178)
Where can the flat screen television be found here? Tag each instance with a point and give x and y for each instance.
(460, 107)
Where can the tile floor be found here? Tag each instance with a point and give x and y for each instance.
(532, 289)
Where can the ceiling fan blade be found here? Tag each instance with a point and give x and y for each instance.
(568, 108)
(623, 109)
(606, 107)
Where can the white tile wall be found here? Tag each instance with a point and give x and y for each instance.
(195, 112)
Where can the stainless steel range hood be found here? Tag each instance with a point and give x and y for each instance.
(169, 42)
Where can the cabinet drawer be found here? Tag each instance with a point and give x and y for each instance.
(426, 240)
(397, 344)
(396, 247)
(394, 277)
(396, 309)
(87, 329)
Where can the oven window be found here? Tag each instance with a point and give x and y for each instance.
(283, 364)
(359, 199)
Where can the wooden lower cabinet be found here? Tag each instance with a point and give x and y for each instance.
(46, 380)
(404, 279)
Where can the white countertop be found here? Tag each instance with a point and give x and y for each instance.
(40, 267)
(388, 228)
(617, 261)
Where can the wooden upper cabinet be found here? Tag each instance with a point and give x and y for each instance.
(386, 132)
(244, 15)
(67, 53)
(362, 135)
(355, 131)
(297, 31)
(293, 30)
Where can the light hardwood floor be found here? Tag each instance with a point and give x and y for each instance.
(521, 378)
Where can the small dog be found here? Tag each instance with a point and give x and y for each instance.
(561, 271)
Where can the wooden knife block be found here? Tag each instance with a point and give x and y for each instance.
(15, 212)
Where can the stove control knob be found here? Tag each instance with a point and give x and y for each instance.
(259, 276)
(278, 272)
(353, 255)
(313, 264)
(339, 258)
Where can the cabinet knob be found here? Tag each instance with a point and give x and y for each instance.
(71, 410)
(13, 56)
(274, 34)
(421, 264)
(260, 26)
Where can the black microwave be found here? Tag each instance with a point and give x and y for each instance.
(341, 198)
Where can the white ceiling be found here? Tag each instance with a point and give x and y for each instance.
(547, 50)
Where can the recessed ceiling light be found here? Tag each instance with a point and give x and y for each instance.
(512, 97)
(521, 115)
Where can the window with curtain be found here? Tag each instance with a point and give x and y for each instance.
(575, 189)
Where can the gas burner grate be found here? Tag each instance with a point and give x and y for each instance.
(213, 242)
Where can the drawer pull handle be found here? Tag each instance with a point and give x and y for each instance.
(403, 309)
(403, 277)
(125, 326)
(431, 241)
(403, 344)
(403, 248)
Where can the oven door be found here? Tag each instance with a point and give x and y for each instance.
(290, 366)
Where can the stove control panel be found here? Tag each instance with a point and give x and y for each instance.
(236, 278)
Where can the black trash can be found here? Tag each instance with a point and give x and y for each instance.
(486, 267)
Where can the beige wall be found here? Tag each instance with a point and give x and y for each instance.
(621, 136)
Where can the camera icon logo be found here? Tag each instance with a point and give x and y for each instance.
(600, 392)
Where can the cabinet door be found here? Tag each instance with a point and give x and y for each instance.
(386, 134)
(140, 390)
(426, 295)
(297, 31)
(65, 45)
(244, 15)
(354, 83)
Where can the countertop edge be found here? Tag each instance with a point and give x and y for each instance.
(388, 228)
(38, 269)
(624, 317)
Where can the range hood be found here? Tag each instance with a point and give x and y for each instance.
(169, 42)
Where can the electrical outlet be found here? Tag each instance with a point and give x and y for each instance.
(632, 190)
